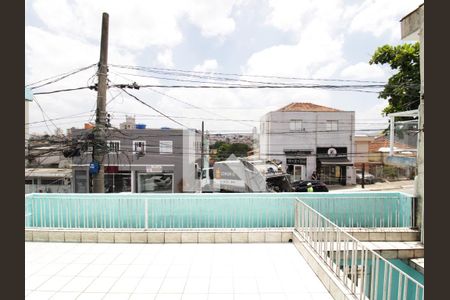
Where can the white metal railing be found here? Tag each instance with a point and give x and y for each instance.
(103, 211)
(373, 210)
(364, 272)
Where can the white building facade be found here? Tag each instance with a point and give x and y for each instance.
(309, 138)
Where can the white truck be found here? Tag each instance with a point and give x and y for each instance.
(242, 176)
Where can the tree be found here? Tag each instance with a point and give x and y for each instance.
(403, 89)
(225, 150)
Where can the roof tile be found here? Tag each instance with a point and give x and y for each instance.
(306, 106)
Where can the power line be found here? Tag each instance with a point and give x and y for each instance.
(65, 90)
(265, 86)
(139, 100)
(240, 75)
(58, 77)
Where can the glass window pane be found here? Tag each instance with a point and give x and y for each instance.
(165, 147)
(155, 183)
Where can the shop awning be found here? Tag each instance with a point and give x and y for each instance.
(335, 161)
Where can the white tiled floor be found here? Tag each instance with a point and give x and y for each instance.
(168, 271)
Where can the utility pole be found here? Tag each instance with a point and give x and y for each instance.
(202, 155)
(362, 174)
(99, 149)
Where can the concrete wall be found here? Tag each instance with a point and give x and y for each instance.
(413, 28)
(180, 162)
(276, 136)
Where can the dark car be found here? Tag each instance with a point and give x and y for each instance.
(301, 186)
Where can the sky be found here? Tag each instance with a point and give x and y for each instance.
(331, 39)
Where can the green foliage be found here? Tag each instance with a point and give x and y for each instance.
(224, 150)
(403, 88)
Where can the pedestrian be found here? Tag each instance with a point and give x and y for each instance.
(314, 176)
(309, 187)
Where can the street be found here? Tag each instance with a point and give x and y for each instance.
(405, 186)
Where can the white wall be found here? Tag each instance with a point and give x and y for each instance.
(276, 136)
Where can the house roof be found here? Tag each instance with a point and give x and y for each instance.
(383, 142)
(306, 106)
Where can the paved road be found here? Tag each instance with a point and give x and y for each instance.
(406, 186)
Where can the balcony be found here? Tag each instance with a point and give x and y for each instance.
(261, 245)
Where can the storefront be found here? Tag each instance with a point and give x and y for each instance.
(117, 181)
(332, 163)
(120, 179)
(296, 163)
(296, 167)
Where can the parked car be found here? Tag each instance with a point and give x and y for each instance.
(301, 186)
(368, 178)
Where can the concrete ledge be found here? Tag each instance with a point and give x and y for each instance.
(105, 237)
(89, 237)
(139, 237)
(286, 237)
(256, 237)
(122, 237)
(189, 237)
(239, 237)
(72, 236)
(377, 236)
(28, 236)
(172, 237)
(56, 236)
(206, 237)
(40, 236)
(155, 237)
(273, 237)
(222, 237)
(418, 264)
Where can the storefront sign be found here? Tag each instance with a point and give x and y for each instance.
(296, 161)
(154, 169)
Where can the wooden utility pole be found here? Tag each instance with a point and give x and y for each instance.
(100, 149)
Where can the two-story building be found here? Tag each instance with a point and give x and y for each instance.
(142, 160)
(309, 138)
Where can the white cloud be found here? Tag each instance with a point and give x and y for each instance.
(381, 16)
(211, 16)
(208, 65)
(165, 58)
(294, 15)
(138, 25)
(364, 71)
(49, 54)
(131, 26)
(304, 59)
(310, 45)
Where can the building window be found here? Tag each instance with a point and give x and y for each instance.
(165, 147)
(296, 125)
(113, 146)
(332, 125)
(155, 183)
(86, 148)
(139, 147)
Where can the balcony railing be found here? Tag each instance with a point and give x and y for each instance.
(364, 272)
(190, 211)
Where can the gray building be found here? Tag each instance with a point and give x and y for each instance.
(309, 138)
(142, 160)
